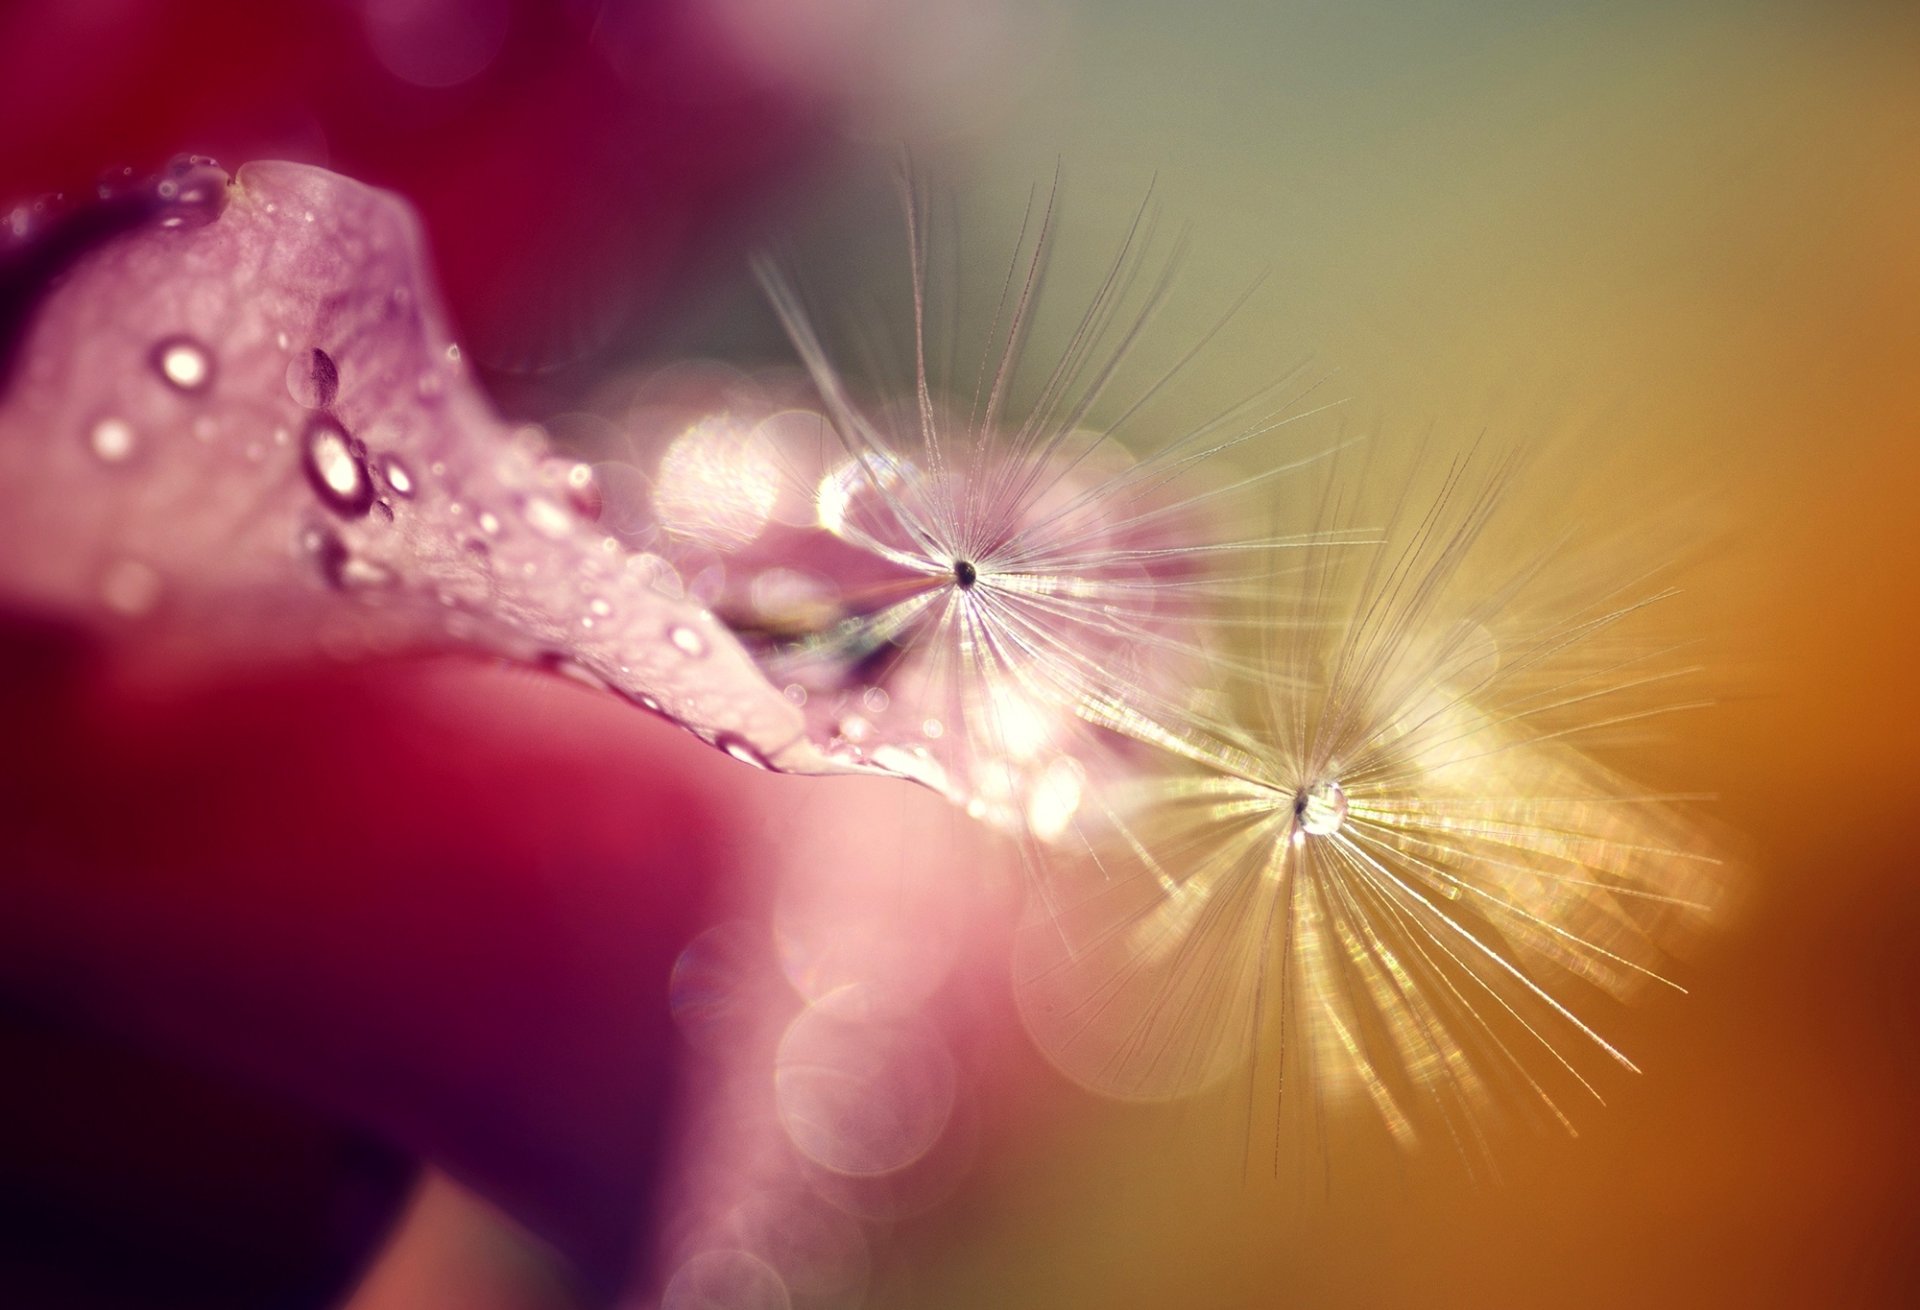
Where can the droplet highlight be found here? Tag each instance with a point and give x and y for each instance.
(337, 470)
(184, 364)
(111, 439)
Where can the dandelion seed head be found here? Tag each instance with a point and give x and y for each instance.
(1400, 875)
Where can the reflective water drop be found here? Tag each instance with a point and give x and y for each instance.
(687, 641)
(583, 491)
(192, 191)
(487, 521)
(725, 1280)
(184, 363)
(336, 469)
(547, 518)
(111, 439)
(858, 1092)
(342, 569)
(313, 379)
(1321, 808)
(395, 475)
(742, 750)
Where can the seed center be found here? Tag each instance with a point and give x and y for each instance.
(1319, 810)
(965, 574)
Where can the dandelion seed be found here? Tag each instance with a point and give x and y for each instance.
(1406, 883)
(1025, 575)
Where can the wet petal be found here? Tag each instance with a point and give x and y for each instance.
(251, 436)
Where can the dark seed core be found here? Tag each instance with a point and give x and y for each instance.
(965, 574)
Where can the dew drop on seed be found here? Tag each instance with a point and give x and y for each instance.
(687, 641)
(1321, 808)
(184, 363)
(336, 470)
(111, 439)
(395, 475)
(313, 379)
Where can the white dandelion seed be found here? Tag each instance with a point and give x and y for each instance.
(1408, 881)
(1027, 576)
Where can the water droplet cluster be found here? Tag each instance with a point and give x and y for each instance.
(278, 441)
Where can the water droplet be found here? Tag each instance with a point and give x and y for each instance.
(584, 493)
(341, 568)
(876, 700)
(547, 518)
(313, 379)
(130, 588)
(601, 608)
(743, 750)
(184, 363)
(395, 475)
(934, 729)
(1321, 808)
(336, 469)
(687, 641)
(193, 192)
(112, 439)
(453, 353)
(794, 692)
(488, 522)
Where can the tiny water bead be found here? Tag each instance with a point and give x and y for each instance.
(395, 475)
(1321, 808)
(313, 379)
(184, 363)
(547, 518)
(337, 469)
(687, 641)
(743, 750)
(111, 439)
